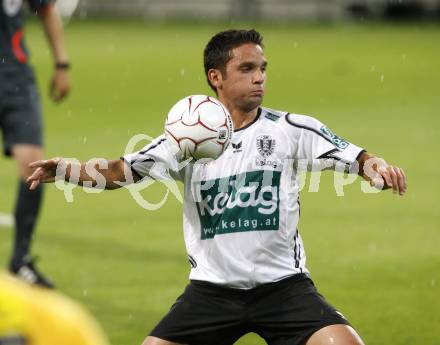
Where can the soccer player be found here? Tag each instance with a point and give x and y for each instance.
(21, 120)
(30, 315)
(241, 212)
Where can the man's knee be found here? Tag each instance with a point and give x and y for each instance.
(25, 154)
(335, 335)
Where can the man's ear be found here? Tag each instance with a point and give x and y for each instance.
(215, 77)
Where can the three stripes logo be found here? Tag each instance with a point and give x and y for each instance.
(237, 147)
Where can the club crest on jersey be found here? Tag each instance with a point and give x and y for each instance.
(265, 145)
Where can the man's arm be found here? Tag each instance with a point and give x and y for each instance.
(108, 174)
(380, 174)
(60, 82)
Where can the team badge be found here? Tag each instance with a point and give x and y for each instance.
(265, 145)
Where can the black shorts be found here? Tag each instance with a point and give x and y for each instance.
(20, 113)
(287, 312)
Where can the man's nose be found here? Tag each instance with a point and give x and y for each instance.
(259, 77)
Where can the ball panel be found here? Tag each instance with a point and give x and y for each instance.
(208, 149)
(172, 141)
(177, 111)
(210, 114)
(187, 146)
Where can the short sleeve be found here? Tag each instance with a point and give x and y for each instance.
(318, 144)
(155, 160)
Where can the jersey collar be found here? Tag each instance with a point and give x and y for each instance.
(250, 123)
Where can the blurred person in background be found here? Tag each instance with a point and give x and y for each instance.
(21, 119)
(30, 315)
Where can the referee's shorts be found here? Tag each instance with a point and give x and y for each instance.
(286, 312)
(20, 113)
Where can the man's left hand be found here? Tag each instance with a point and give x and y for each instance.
(60, 85)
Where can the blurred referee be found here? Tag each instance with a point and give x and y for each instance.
(21, 119)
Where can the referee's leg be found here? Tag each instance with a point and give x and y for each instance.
(335, 335)
(28, 202)
(157, 341)
(25, 154)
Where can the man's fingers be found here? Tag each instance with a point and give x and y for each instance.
(394, 179)
(56, 96)
(44, 171)
(60, 86)
(52, 90)
(47, 163)
(37, 164)
(401, 180)
(403, 173)
(34, 185)
(34, 179)
(386, 176)
(63, 93)
(36, 175)
(389, 176)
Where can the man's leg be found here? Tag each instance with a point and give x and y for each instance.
(157, 341)
(28, 202)
(335, 335)
(26, 214)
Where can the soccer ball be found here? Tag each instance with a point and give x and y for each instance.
(66, 8)
(199, 127)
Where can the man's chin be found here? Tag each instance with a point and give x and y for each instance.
(253, 102)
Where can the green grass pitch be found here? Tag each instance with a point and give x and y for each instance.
(374, 256)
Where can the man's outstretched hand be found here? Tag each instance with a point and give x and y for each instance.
(394, 178)
(45, 171)
(381, 175)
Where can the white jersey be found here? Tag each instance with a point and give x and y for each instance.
(241, 211)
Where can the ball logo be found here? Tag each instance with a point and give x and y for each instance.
(12, 7)
(222, 134)
(265, 145)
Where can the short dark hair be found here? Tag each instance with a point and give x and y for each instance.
(217, 52)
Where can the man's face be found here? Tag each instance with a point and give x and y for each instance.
(243, 81)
